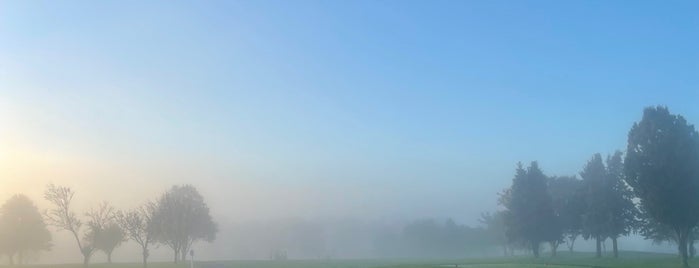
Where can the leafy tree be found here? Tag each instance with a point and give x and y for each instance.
(63, 218)
(139, 226)
(622, 210)
(22, 229)
(531, 217)
(497, 232)
(596, 217)
(568, 206)
(182, 218)
(662, 167)
(105, 234)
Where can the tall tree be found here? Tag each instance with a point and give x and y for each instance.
(568, 206)
(62, 217)
(622, 210)
(139, 227)
(22, 229)
(531, 218)
(596, 217)
(182, 218)
(105, 233)
(662, 167)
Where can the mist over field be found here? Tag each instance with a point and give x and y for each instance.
(346, 130)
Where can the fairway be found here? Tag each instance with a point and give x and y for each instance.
(582, 260)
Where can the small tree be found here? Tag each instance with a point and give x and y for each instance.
(568, 206)
(530, 218)
(182, 218)
(622, 210)
(495, 227)
(139, 227)
(596, 217)
(22, 230)
(63, 218)
(662, 167)
(105, 233)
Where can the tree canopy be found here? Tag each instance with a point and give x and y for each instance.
(662, 167)
(182, 218)
(22, 228)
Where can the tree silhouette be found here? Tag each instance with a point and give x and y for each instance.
(662, 167)
(105, 233)
(139, 227)
(568, 206)
(63, 218)
(182, 218)
(531, 217)
(22, 229)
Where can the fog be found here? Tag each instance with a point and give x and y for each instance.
(325, 131)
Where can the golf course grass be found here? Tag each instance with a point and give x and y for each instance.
(564, 260)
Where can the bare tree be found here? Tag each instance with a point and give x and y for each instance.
(62, 217)
(138, 226)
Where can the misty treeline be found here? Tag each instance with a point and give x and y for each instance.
(651, 189)
(176, 219)
(344, 238)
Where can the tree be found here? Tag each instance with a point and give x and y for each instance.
(182, 218)
(568, 206)
(622, 210)
(63, 218)
(662, 168)
(531, 217)
(495, 226)
(105, 234)
(596, 217)
(139, 227)
(22, 229)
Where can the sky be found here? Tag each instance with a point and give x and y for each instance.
(381, 110)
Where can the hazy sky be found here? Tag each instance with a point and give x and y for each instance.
(321, 109)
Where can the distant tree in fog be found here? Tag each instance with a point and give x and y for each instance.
(622, 210)
(530, 217)
(105, 233)
(568, 206)
(182, 218)
(596, 218)
(62, 217)
(662, 168)
(497, 231)
(138, 226)
(22, 229)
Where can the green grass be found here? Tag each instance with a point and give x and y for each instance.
(564, 260)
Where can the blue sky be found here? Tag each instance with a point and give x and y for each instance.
(397, 101)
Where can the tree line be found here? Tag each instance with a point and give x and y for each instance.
(176, 219)
(652, 189)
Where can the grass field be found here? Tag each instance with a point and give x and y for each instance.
(626, 260)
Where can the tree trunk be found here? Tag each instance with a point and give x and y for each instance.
(571, 243)
(504, 250)
(692, 250)
(535, 249)
(11, 259)
(86, 260)
(145, 258)
(554, 248)
(109, 257)
(682, 244)
(615, 247)
(177, 255)
(598, 244)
